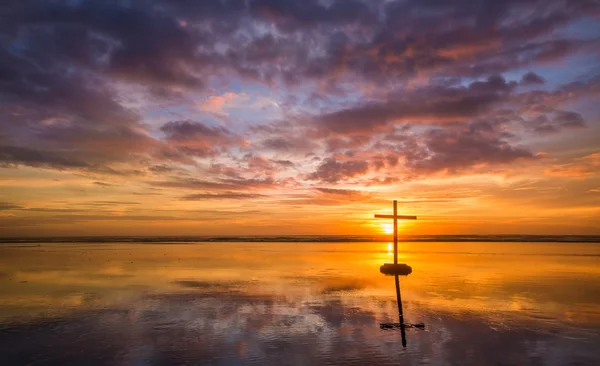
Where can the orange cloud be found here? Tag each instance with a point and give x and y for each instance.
(579, 168)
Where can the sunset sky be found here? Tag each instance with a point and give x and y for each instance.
(258, 117)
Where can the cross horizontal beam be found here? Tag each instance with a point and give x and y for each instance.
(399, 217)
(400, 325)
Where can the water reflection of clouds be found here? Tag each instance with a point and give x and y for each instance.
(208, 326)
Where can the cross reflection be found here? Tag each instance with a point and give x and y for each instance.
(401, 325)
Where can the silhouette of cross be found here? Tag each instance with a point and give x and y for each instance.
(396, 217)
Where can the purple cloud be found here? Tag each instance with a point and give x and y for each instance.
(332, 170)
(386, 88)
(197, 139)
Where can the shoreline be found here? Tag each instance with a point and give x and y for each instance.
(307, 239)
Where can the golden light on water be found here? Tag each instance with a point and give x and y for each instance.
(442, 272)
(480, 283)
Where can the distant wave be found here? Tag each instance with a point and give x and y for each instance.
(311, 239)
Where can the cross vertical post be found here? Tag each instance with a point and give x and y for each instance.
(395, 232)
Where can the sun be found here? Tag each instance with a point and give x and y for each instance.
(387, 228)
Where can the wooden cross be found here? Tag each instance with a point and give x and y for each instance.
(396, 217)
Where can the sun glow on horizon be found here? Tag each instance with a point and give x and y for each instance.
(387, 228)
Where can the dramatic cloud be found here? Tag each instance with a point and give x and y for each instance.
(460, 147)
(430, 105)
(196, 139)
(332, 171)
(238, 100)
(556, 121)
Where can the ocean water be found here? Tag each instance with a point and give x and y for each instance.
(298, 303)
